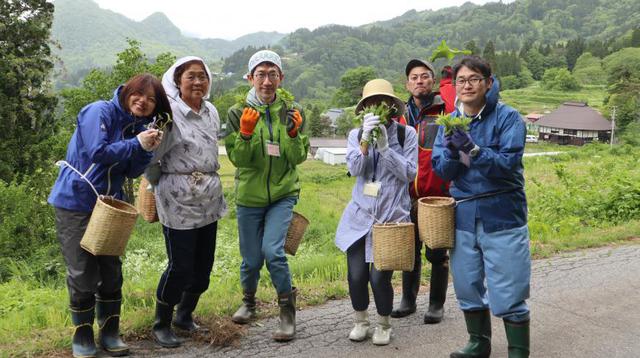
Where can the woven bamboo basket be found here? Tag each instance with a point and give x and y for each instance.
(146, 202)
(436, 221)
(110, 227)
(393, 246)
(295, 233)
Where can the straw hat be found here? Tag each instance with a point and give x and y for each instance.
(380, 87)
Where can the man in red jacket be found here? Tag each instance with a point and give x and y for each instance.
(447, 90)
(422, 109)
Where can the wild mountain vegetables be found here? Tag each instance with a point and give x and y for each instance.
(384, 111)
(452, 123)
(161, 122)
(281, 93)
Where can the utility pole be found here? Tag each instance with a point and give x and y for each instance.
(613, 124)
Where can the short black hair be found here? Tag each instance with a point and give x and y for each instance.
(475, 63)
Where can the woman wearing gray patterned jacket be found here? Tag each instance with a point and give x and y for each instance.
(189, 196)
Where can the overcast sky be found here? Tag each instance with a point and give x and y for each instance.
(230, 19)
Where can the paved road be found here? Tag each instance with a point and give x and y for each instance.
(584, 304)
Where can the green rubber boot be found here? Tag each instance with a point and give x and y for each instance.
(518, 338)
(479, 329)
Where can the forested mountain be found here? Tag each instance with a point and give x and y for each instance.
(318, 58)
(91, 37)
(556, 32)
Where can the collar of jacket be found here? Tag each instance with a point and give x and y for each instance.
(436, 101)
(185, 109)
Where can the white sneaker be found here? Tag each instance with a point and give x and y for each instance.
(382, 332)
(361, 328)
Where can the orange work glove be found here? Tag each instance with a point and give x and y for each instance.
(294, 120)
(248, 121)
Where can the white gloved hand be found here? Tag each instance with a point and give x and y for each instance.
(369, 122)
(382, 142)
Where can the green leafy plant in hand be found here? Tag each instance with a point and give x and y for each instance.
(382, 110)
(161, 122)
(452, 123)
(281, 93)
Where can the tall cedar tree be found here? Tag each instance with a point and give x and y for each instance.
(26, 103)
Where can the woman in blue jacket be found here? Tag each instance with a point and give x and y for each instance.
(492, 237)
(109, 144)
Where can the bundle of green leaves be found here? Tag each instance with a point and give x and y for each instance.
(382, 110)
(452, 123)
(281, 93)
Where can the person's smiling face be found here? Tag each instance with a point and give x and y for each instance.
(194, 83)
(142, 104)
(266, 79)
(471, 86)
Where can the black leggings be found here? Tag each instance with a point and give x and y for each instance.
(359, 275)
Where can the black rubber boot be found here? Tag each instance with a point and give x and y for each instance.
(162, 332)
(437, 293)
(287, 329)
(479, 329)
(247, 312)
(108, 313)
(184, 318)
(518, 338)
(82, 343)
(410, 287)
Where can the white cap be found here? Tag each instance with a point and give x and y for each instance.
(264, 56)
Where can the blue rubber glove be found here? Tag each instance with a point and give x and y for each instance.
(449, 145)
(462, 141)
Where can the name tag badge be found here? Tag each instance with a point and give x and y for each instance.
(273, 149)
(371, 189)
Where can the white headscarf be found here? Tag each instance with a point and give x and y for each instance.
(172, 89)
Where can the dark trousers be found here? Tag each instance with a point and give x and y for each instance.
(191, 254)
(87, 275)
(360, 273)
(437, 257)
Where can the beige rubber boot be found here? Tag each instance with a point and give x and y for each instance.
(361, 328)
(382, 332)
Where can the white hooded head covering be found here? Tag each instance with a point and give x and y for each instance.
(172, 89)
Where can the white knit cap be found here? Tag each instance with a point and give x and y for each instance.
(264, 56)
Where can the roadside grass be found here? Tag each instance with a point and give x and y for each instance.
(34, 318)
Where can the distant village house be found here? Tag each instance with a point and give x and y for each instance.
(574, 123)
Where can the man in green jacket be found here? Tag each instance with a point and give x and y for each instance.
(266, 145)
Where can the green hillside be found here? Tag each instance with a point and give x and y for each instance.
(91, 37)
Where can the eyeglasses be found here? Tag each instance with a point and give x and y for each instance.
(424, 77)
(261, 76)
(473, 81)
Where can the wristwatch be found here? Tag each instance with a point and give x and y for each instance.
(474, 151)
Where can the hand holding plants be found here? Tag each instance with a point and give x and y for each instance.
(150, 139)
(294, 121)
(248, 121)
(461, 140)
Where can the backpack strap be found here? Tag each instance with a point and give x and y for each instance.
(400, 132)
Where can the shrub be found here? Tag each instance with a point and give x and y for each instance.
(27, 229)
(559, 79)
